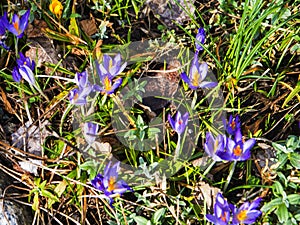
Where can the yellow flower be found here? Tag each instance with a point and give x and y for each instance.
(56, 8)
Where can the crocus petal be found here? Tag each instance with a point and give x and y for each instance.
(178, 123)
(171, 121)
(121, 187)
(203, 68)
(209, 144)
(249, 144)
(97, 182)
(200, 37)
(81, 79)
(111, 171)
(96, 87)
(255, 204)
(121, 68)
(16, 75)
(107, 62)
(233, 126)
(208, 84)
(27, 74)
(117, 83)
(185, 78)
(245, 156)
(24, 20)
(100, 71)
(182, 123)
(103, 72)
(252, 216)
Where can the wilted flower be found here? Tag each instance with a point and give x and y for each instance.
(17, 25)
(180, 122)
(109, 184)
(24, 69)
(197, 75)
(233, 125)
(221, 212)
(90, 131)
(237, 149)
(200, 37)
(111, 66)
(247, 213)
(56, 8)
(213, 146)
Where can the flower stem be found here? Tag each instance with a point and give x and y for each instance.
(178, 146)
(208, 169)
(16, 45)
(120, 105)
(230, 175)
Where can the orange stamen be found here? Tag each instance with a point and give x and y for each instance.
(242, 215)
(232, 125)
(16, 26)
(107, 84)
(237, 150)
(111, 183)
(223, 217)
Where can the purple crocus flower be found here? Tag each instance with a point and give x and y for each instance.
(200, 37)
(2, 26)
(109, 184)
(24, 70)
(197, 75)
(18, 24)
(233, 125)
(107, 71)
(247, 213)
(180, 122)
(90, 131)
(81, 79)
(2, 33)
(111, 66)
(107, 86)
(78, 96)
(213, 146)
(237, 149)
(221, 212)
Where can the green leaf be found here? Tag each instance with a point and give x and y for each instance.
(271, 205)
(293, 142)
(295, 160)
(295, 92)
(279, 147)
(158, 215)
(141, 220)
(60, 188)
(35, 204)
(278, 189)
(294, 199)
(282, 213)
(73, 28)
(48, 194)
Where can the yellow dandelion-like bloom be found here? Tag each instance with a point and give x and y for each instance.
(56, 8)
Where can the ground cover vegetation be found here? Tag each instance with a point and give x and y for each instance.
(86, 145)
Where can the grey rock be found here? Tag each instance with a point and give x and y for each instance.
(172, 10)
(11, 212)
